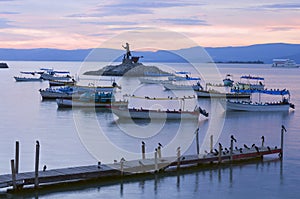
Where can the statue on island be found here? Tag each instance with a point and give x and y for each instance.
(130, 66)
(128, 54)
(127, 58)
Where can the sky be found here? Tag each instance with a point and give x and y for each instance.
(80, 24)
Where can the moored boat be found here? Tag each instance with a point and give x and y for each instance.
(3, 65)
(28, 77)
(90, 100)
(163, 113)
(178, 86)
(217, 94)
(72, 91)
(283, 105)
(250, 82)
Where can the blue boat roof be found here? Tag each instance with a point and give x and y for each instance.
(269, 92)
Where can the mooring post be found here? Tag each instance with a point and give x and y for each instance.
(283, 129)
(37, 159)
(143, 150)
(13, 174)
(262, 141)
(159, 152)
(220, 153)
(122, 167)
(231, 148)
(231, 145)
(197, 142)
(211, 143)
(155, 161)
(178, 157)
(17, 157)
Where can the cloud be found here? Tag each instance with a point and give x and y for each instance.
(110, 22)
(133, 7)
(289, 6)
(185, 21)
(4, 23)
(9, 13)
(275, 29)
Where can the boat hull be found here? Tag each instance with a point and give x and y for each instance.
(69, 103)
(27, 79)
(170, 86)
(207, 94)
(154, 114)
(255, 107)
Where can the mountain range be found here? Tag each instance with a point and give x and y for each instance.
(258, 52)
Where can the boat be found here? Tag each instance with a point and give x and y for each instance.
(3, 65)
(283, 105)
(248, 82)
(152, 81)
(216, 94)
(284, 63)
(144, 113)
(177, 86)
(91, 100)
(227, 81)
(71, 82)
(28, 77)
(51, 74)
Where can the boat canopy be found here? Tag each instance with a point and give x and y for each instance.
(252, 77)
(51, 70)
(182, 72)
(265, 91)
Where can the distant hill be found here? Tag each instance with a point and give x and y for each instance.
(258, 52)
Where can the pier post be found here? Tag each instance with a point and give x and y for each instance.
(178, 157)
(122, 167)
(143, 151)
(37, 159)
(220, 154)
(283, 129)
(159, 152)
(211, 143)
(231, 148)
(197, 141)
(155, 161)
(17, 157)
(13, 174)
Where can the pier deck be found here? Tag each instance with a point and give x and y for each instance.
(128, 168)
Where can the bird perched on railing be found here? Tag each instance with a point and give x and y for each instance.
(232, 138)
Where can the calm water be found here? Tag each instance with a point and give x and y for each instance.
(80, 137)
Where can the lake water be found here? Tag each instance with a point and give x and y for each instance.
(80, 136)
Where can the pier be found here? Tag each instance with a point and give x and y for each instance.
(16, 182)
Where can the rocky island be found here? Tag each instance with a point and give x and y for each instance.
(130, 66)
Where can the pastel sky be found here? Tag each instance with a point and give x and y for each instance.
(74, 24)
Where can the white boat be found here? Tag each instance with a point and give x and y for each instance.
(152, 81)
(143, 113)
(284, 63)
(177, 86)
(51, 74)
(28, 77)
(71, 82)
(248, 82)
(72, 91)
(283, 105)
(91, 99)
(66, 92)
(217, 94)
